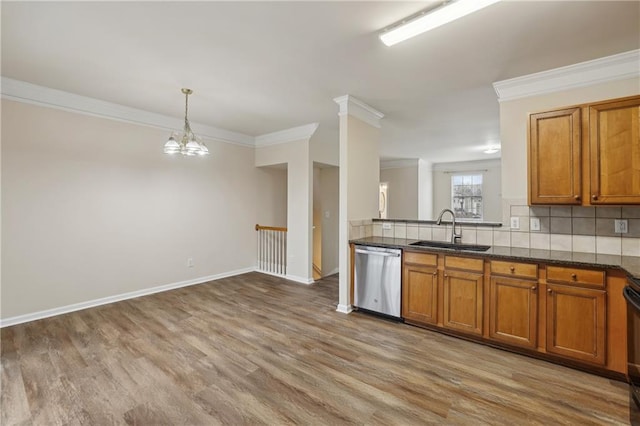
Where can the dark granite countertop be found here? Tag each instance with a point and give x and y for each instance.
(630, 264)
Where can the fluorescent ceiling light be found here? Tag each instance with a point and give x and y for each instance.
(432, 19)
(492, 150)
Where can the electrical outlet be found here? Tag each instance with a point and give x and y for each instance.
(621, 226)
(386, 226)
(190, 263)
(515, 223)
(534, 224)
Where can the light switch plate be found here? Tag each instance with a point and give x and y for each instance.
(621, 226)
(515, 223)
(534, 224)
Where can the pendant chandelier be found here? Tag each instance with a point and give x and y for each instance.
(186, 143)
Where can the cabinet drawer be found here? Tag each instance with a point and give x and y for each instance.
(525, 270)
(466, 263)
(587, 277)
(420, 258)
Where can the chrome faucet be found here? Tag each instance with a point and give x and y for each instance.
(455, 238)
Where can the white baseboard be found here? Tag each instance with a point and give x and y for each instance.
(335, 271)
(273, 274)
(344, 309)
(116, 298)
(300, 280)
(289, 277)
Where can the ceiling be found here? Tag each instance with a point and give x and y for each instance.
(261, 67)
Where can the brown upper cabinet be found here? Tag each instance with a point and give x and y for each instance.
(586, 155)
(554, 157)
(614, 136)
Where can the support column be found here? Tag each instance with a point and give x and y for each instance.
(359, 178)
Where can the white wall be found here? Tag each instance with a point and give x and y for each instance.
(402, 191)
(324, 147)
(425, 190)
(329, 202)
(491, 185)
(271, 198)
(363, 178)
(299, 203)
(92, 208)
(514, 124)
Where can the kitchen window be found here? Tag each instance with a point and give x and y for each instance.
(466, 196)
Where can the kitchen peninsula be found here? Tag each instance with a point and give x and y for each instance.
(562, 306)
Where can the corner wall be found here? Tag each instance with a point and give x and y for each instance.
(299, 203)
(578, 229)
(402, 191)
(514, 124)
(93, 209)
(491, 182)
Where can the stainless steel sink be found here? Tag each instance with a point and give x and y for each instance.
(453, 246)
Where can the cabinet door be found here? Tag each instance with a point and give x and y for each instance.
(614, 137)
(420, 294)
(555, 171)
(513, 311)
(576, 320)
(463, 301)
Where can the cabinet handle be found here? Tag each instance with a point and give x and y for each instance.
(435, 273)
(534, 288)
(512, 269)
(574, 277)
(446, 275)
(549, 291)
(594, 197)
(576, 197)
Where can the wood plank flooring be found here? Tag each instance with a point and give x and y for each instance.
(255, 349)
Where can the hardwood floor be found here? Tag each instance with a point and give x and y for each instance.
(255, 349)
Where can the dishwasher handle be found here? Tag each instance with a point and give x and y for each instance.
(378, 253)
(633, 298)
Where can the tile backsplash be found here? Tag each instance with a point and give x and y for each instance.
(360, 229)
(575, 228)
(565, 228)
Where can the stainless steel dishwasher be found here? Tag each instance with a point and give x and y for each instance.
(377, 280)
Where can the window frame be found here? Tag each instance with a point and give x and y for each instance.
(461, 214)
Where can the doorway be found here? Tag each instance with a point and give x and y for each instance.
(325, 220)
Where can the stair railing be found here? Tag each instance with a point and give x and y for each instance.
(272, 250)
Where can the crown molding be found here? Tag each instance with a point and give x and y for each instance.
(287, 135)
(610, 68)
(22, 91)
(398, 164)
(355, 107)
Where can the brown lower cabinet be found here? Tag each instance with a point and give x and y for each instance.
(463, 301)
(560, 313)
(420, 293)
(513, 311)
(576, 321)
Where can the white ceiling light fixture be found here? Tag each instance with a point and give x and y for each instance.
(428, 20)
(187, 143)
(492, 149)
